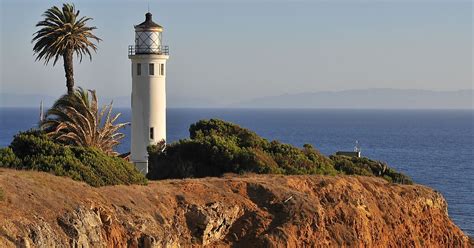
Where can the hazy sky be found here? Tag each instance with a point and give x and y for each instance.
(228, 51)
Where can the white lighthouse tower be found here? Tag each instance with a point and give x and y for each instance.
(148, 57)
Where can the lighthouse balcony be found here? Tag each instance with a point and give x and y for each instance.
(159, 50)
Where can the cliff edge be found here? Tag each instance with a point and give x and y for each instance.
(41, 210)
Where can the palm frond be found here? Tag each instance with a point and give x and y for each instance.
(62, 30)
(76, 120)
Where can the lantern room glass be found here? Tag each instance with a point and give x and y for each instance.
(147, 42)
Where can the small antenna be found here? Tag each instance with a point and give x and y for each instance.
(148, 7)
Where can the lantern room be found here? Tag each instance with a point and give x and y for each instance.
(148, 38)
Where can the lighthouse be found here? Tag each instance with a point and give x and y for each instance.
(148, 57)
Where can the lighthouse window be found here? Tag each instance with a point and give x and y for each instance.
(162, 71)
(151, 69)
(152, 135)
(139, 69)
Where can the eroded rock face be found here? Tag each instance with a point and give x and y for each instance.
(41, 234)
(41, 210)
(83, 227)
(211, 222)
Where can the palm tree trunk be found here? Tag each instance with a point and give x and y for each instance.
(68, 68)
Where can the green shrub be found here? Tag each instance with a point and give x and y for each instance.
(211, 156)
(368, 167)
(108, 170)
(35, 142)
(293, 160)
(214, 127)
(216, 147)
(35, 151)
(8, 158)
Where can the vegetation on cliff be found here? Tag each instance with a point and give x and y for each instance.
(77, 120)
(34, 150)
(367, 167)
(216, 147)
(76, 140)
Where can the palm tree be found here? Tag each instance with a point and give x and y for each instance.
(76, 120)
(62, 34)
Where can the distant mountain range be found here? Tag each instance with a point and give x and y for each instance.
(358, 99)
(368, 99)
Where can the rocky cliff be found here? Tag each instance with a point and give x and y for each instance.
(41, 210)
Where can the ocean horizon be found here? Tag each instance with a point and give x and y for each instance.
(434, 147)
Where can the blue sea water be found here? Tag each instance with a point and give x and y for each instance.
(434, 147)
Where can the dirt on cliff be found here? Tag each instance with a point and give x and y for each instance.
(41, 210)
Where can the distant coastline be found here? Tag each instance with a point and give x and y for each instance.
(369, 99)
(345, 99)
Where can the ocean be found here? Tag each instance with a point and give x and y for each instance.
(434, 147)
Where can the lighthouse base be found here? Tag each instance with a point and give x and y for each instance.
(141, 166)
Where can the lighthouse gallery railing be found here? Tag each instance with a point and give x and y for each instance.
(161, 50)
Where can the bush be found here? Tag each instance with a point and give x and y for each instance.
(8, 158)
(33, 150)
(211, 156)
(217, 147)
(214, 127)
(108, 170)
(293, 160)
(368, 167)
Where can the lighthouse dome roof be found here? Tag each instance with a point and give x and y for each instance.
(149, 24)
